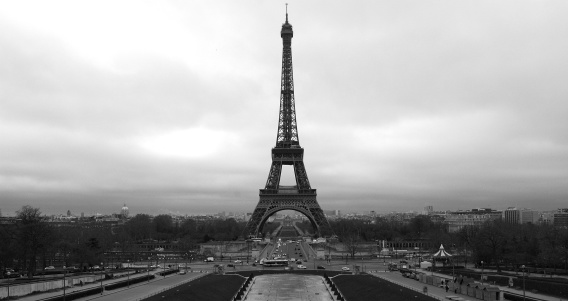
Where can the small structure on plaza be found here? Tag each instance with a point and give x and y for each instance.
(441, 256)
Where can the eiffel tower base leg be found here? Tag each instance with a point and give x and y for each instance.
(305, 204)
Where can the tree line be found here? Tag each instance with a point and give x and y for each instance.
(496, 243)
(32, 243)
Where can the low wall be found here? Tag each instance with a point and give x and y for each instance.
(17, 290)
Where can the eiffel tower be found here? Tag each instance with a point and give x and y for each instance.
(275, 197)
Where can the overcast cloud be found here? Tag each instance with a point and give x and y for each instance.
(173, 105)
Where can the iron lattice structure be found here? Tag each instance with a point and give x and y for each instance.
(275, 197)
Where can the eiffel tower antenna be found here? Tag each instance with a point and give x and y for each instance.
(287, 151)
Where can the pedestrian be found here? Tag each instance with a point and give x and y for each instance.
(447, 288)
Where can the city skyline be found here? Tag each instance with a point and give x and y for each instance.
(174, 106)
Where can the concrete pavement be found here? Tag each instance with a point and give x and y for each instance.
(288, 287)
(396, 277)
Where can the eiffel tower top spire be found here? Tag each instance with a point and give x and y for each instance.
(287, 128)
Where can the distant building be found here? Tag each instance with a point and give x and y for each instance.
(332, 213)
(512, 215)
(528, 216)
(561, 217)
(474, 217)
(457, 221)
(68, 212)
(124, 211)
(546, 218)
(428, 210)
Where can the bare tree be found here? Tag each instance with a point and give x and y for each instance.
(34, 236)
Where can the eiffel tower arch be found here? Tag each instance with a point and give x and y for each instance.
(275, 197)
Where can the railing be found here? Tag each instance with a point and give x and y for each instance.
(296, 191)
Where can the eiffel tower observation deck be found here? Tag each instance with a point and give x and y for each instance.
(275, 197)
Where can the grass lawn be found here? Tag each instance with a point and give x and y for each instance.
(367, 287)
(208, 288)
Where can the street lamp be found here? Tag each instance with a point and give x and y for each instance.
(453, 269)
(482, 272)
(64, 270)
(523, 268)
(102, 277)
(248, 249)
(186, 262)
(453, 263)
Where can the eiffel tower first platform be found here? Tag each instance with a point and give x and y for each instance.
(275, 197)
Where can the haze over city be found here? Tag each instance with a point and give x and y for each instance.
(173, 105)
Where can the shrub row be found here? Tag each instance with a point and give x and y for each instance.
(128, 281)
(168, 272)
(75, 295)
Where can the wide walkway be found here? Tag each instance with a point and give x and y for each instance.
(284, 287)
(396, 277)
(433, 291)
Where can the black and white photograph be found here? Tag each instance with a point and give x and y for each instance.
(284, 150)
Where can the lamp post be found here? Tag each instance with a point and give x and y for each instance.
(248, 249)
(453, 263)
(414, 259)
(64, 284)
(102, 277)
(128, 272)
(523, 267)
(453, 269)
(482, 272)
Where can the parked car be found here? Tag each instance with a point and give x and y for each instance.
(238, 261)
(182, 272)
(300, 266)
(49, 268)
(10, 273)
(230, 265)
(321, 267)
(346, 269)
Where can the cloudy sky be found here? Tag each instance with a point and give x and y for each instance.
(173, 105)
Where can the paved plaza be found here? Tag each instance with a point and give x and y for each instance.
(283, 287)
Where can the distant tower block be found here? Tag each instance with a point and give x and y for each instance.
(275, 197)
